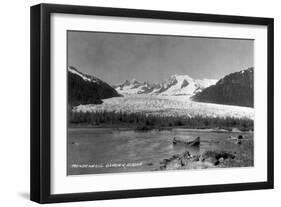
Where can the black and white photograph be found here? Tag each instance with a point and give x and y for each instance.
(143, 102)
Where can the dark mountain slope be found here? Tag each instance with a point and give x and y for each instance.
(85, 89)
(234, 89)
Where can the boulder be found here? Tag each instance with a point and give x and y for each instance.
(212, 160)
(221, 159)
(238, 141)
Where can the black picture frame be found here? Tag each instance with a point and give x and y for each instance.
(40, 175)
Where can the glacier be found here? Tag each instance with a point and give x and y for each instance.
(175, 106)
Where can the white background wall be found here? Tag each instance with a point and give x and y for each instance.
(14, 101)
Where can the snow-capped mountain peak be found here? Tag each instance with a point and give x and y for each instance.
(174, 85)
(84, 76)
(181, 77)
(177, 85)
(134, 81)
(130, 87)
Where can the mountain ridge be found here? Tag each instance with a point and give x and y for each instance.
(86, 89)
(234, 89)
(174, 85)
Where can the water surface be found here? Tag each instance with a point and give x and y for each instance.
(106, 150)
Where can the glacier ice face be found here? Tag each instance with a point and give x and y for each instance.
(167, 106)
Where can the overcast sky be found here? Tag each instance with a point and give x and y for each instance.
(115, 57)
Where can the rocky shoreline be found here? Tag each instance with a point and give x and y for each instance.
(208, 159)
